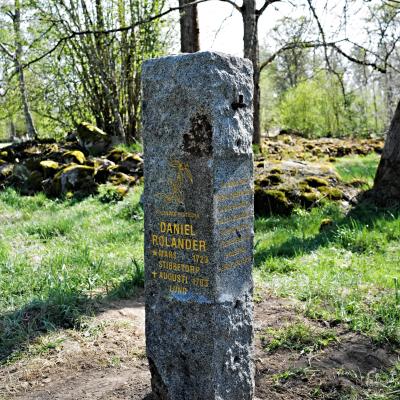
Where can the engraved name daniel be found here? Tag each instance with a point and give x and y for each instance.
(176, 242)
(173, 237)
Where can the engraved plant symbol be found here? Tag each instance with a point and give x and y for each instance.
(176, 185)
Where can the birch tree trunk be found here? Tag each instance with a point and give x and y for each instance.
(250, 17)
(30, 127)
(189, 28)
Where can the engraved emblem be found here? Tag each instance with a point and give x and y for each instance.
(183, 176)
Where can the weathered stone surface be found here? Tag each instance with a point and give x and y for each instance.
(198, 202)
(92, 138)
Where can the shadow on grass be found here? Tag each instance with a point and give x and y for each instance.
(346, 232)
(61, 310)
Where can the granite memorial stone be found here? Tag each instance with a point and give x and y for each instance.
(198, 201)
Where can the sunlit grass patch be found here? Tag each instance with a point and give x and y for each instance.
(57, 258)
(358, 168)
(347, 273)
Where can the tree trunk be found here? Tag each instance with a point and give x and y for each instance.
(30, 127)
(189, 28)
(251, 51)
(386, 188)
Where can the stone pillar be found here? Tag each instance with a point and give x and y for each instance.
(198, 201)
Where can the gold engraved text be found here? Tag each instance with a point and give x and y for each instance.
(177, 267)
(176, 229)
(178, 243)
(237, 263)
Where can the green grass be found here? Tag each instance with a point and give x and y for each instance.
(57, 258)
(356, 168)
(346, 273)
(300, 337)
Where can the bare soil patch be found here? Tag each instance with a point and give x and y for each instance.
(106, 360)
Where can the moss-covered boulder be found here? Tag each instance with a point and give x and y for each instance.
(93, 139)
(131, 164)
(103, 169)
(316, 181)
(269, 202)
(119, 178)
(74, 156)
(74, 178)
(49, 168)
(117, 155)
(6, 170)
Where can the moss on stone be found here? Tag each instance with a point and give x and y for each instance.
(75, 156)
(310, 199)
(276, 170)
(133, 157)
(275, 179)
(49, 164)
(271, 202)
(6, 170)
(86, 130)
(119, 178)
(332, 193)
(316, 181)
(304, 187)
(117, 155)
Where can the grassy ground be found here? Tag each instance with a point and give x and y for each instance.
(55, 257)
(58, 258)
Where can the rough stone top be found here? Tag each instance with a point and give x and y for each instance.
(217, 86)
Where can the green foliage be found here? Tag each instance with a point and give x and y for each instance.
(58, 259)
(108, 193)
(316, 108)
(347, 273)
(358, 168)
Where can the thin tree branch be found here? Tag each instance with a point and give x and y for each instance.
(334, 45)
(111, 31)
(233, 4)
(265, 5)
(6, 51)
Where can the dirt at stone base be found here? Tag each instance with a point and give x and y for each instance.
(106, 360)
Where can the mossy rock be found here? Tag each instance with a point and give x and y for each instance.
(271, 202)
(35, 182)
(74, 156)
(309, 199)
(316, 181)
(132, 164)
(275, 179)
(116, 155)
(31, 151)
(259, 164)
(49, 168)
(305, 188)
(3, 154)
(119, 178)
(133, 157)
(6, 170)
(276, 170)
(102, 169)
(93, 139)
(78, 179)
(262, 182)
(331, 193)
